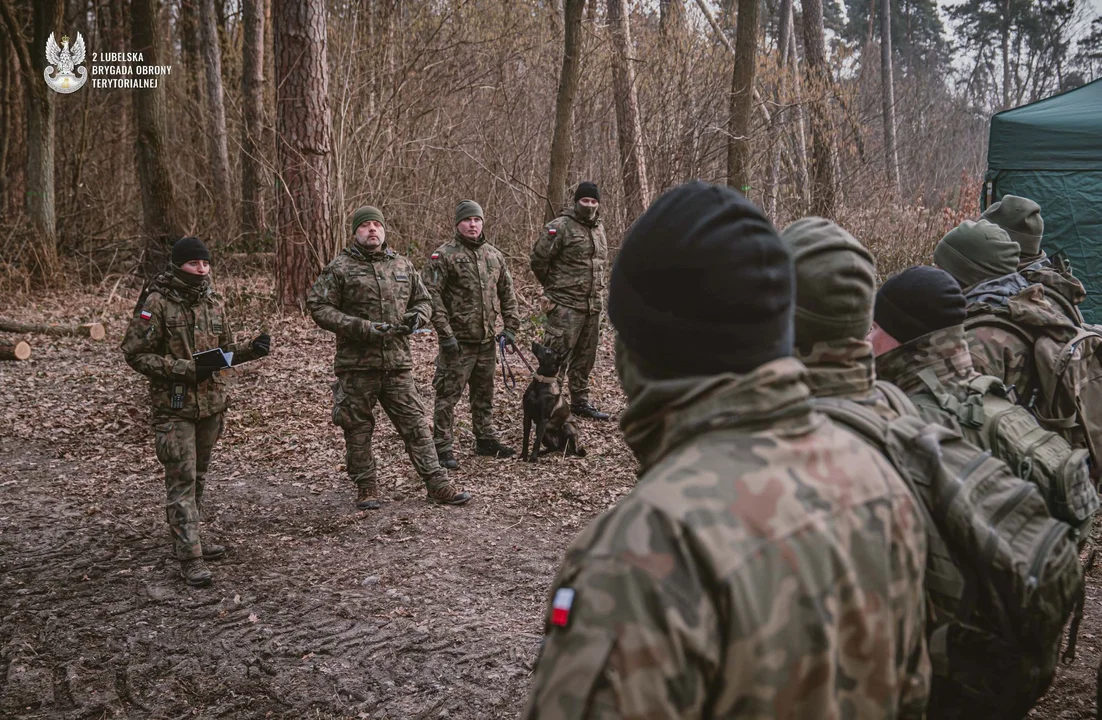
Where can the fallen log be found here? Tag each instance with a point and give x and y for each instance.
(18, 351)
(93, 330)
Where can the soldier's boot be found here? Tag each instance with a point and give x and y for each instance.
(195, 572)
(213, 552)
(368, 496)
(493, 448)
(584, 408)
(448, 494)
(447, 460)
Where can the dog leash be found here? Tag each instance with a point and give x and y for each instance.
(508, 377)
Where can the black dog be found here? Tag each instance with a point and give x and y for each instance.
(545, 406)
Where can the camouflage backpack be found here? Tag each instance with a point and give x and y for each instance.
(990, 420)
(1002, 575)
(1065, 392)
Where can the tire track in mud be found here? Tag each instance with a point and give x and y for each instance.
(409, 612)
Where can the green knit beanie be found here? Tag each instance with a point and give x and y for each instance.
(976, 251)
(467, 209)
(366, 213)
(1021, 218)
(835, 282)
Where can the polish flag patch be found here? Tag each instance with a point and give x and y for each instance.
(435, 256)
(145, 315)
(560, 606)
(552, 231)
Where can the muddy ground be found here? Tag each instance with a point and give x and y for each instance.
(413, 611)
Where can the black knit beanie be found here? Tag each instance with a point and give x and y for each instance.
(188, 249)
(917, 302)
(587, 189)
(702, 284)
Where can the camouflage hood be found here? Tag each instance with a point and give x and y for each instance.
(1063, 284)
(1030, 310)
(176, 289)
(663, 413)
(359, 253)
(839, 368)
(996, 292)
(945, 351)
(571, 212)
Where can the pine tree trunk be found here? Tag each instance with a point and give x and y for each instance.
(305, 242)
(162, 221)
(891, 155)
(40, 195)
(799, 140)
(633, 166)
(1006, 54)
(252, 90)
(562, 141)
(217, 144)
(823, 194)
(742, 96)
(776, 128)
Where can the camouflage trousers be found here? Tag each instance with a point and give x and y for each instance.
(577, 333)
(184, 448)
(355, 394)
(473, 367)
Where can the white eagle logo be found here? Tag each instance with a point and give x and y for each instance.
(65, 60)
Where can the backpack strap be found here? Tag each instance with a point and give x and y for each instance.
(968, 413)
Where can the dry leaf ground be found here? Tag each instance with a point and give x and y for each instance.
(414, 611)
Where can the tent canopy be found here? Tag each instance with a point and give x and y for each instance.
(1051, 152)
(1063, 132)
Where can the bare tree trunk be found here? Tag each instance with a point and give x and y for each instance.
(742, 89)
(217, 143)
(40, 127)
(162, 220)
(305, 242)
(633, 166)
(5, 121)
(800, 138)
(823, 198)
(784, 31)
(252, 90)
(562, 141)
(891, 155)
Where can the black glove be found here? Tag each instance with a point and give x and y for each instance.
(450, 346)
(412, 320)
(203, 372)
(262, 345)
(510, 338)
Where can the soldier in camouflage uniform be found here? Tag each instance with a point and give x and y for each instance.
(569, 262)
(469, 282)
(1021, 219)
(373, 299)
(767, 564)
(180, 315)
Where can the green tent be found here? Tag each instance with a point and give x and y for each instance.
(1051, 152)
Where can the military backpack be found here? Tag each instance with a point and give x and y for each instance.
(1002, 575)
(989, 419)
(1065, 392)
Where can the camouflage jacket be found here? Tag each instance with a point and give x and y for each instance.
(358, 287)
(1061, 286)
(175, 321)
(1004, 353)
(943, 351)
(569, 262)
(470, 284)
(766, 565)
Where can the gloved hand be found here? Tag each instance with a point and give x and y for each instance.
(450, 347)
(412, 320)
(369, 329)
(262, 345)
(510, 338)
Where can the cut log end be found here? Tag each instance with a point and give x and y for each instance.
(18, 351)
(94, 330)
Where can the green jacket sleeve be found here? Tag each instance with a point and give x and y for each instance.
(510, 315)
(544, 253)
(144, 346)
(324, 303)
(420, 301)
(436, 283)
